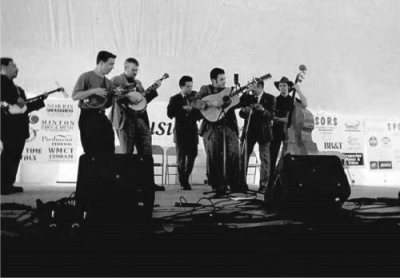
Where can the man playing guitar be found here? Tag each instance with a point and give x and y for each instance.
(213, 138)
(133, 127)
(15, 110)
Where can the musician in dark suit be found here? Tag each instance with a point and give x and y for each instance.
(186, 136)
(14, 124)
(212, 133)
(259, 108)
(133, 127)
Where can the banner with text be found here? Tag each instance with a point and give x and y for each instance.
(53, 133)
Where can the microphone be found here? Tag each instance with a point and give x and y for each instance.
(236, 78)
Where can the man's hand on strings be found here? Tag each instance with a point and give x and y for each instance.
(99, 92)
(187, 108)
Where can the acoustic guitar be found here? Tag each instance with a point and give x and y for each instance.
(142, 104)
(213, 114)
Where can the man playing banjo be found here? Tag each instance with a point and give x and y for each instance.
(133, 127)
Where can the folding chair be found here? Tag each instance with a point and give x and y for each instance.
(170, 163)
(253, 164)
(158, 156)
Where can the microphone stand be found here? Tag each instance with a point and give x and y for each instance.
(244, 149)
(222, 113)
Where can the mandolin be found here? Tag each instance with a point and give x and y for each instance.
(213, 114)
(142, 104)
(95, 101)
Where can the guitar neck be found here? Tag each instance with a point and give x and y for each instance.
(39, 96)
(241, 89)
(151, 88)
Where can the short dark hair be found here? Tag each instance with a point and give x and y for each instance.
(215, 72)
(184, 79)
(104, 56)
(132, 60)
(5, 61)
(260, 83)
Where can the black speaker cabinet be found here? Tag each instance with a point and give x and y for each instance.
(310, 181)
(115, 189)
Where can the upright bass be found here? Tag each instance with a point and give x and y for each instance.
(308, 178)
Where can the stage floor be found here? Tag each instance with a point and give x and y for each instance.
(52, 192)
(229, 236)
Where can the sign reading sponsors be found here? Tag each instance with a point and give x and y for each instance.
(393, 126)
(354, 159)
(53, 133)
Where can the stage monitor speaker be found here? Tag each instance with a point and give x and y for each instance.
(316, 182)
(115, 189)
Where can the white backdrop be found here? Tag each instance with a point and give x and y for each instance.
(351, 48)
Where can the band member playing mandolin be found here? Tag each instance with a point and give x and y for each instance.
(258, 113)
(95, 93)
(133, 127)
(185, 130)
(213, 137)
(14, 124)
(283, 105)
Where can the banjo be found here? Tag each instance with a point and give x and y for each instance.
(142, 104)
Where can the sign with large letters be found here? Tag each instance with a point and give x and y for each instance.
(53, 133)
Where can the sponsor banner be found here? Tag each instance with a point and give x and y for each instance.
(383, 143)
(340, 133)
(53, 133)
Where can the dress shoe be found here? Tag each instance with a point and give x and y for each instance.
(158, 187)
(11, 190)
(220, 190)
(262, 190)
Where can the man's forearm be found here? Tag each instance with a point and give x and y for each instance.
(82, 94)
